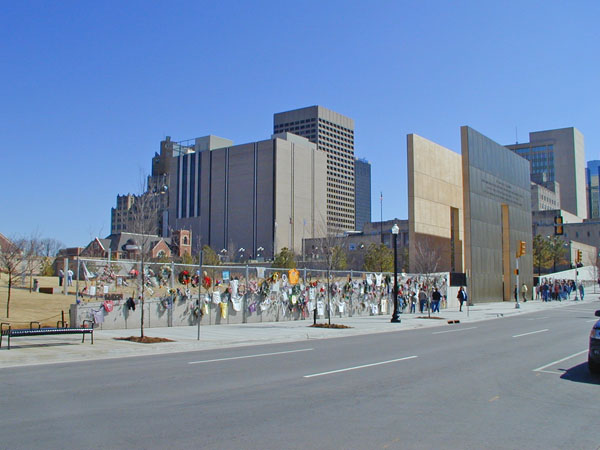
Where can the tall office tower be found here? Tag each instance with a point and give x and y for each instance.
(334, 134)
(558, 155)
(362, 190)
(592, 181)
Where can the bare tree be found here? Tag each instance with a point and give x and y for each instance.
(31, 251)
(144, 220)
(48, 250)
(427, 260)
(330, 249)
(11, 261)
(49, 247)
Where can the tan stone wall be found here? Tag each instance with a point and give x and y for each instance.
(434, 188)
(300, 194)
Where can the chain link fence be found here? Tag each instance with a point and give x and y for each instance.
(112, 292)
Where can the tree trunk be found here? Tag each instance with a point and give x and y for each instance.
(142, 300)
(8, 299)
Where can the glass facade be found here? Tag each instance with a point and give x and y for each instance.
(592, 181)
(362, 183)
(541, 161)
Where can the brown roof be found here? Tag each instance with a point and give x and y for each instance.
(5, 243)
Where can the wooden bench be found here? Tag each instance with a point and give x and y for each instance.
(9, 332)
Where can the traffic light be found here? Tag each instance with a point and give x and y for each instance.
(579, 256)
(558, 225)
(522, 249)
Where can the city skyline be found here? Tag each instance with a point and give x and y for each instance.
(91, 93)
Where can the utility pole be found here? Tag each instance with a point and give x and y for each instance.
(381, 215)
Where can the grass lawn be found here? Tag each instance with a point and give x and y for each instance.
(28, 306)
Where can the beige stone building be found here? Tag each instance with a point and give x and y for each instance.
(435, 202)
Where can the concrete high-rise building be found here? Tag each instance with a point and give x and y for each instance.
(252, 199)
(592, 181)
(558, 155)
(545, 197)
(362, 192)
(333, 133)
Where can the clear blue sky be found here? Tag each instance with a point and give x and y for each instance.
(88, 89)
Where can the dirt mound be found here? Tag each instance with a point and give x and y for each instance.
(144, 340)
(327, 325)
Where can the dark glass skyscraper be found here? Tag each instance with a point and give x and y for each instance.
(592, 182)
(362, 191)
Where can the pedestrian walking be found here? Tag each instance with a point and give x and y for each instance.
(436, 297)
(462, 297)
(413, 302)
(581, 291)
(69, 277)
(422, 300)
(524, 293)
(61, 275)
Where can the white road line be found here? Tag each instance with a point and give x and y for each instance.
(358, 367)
(550, 371)
(531, 332)
(539, 318)
(250, 356)
(541, 369)
(452, 331)
(590, 321)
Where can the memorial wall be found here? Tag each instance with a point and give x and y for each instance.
(497, 215)
(435, 197)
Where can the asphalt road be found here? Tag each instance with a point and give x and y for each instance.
(519, 382)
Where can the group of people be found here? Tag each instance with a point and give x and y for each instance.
(61, 276)
(549, 290)
(546, 291)
(559, 290)
(420, 296)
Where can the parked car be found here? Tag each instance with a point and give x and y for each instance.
(594, 351)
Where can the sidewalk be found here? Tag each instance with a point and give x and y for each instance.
(68, 348)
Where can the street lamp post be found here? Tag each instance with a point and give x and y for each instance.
(395, 315)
